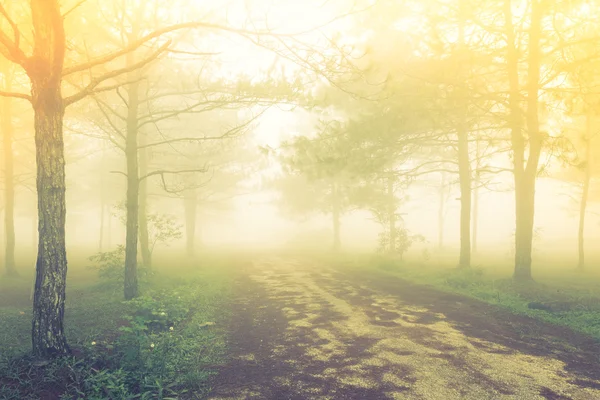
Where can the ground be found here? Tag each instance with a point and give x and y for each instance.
(303, 330)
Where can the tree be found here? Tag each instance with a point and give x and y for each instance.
(9, 178)
(45, 67)
(525, 168)
(45, 70)
(319, 177)
(579, 97)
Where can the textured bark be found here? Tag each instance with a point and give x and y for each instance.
(585, 192)
(9, 179)
(190, 206)
(524, 173)
(336, 212)
(45, 70)
(133, 189)
(143, 204)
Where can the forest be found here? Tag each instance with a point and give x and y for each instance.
(317, 199)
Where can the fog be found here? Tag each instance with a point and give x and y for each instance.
(251, 216)
(315, 199)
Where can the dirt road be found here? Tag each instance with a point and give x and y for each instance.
(302, 331)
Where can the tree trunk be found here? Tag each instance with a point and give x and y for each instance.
(391, 215)
(190, 206)
(524, 196)
(464, 162)
(441, 211)
(133, 190)
(475, 230)
(585, 191)
(464, 172)
(336, 211)
(9, 179)
(143, 201)
(475, 219)
(525, 174)
(48, 338)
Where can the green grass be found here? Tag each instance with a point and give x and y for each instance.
(164, 344)
(573, 297)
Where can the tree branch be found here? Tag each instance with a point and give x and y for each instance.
(119, 172)
(15, 95)
(191, 25)
(163, 172)
(140, 42)
(13, 48)
(228, 134)
(69, 11)
(92, 86)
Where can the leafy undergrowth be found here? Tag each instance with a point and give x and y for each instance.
(164, 344)
(565, 297)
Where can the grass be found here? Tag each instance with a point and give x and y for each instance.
(569, 298)
(164, 344)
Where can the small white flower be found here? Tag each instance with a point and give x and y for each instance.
(171, 328)
(93, 343)
(151, 345)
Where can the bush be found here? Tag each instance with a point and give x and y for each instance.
(160, 346)
(403, 241)
(111, 266)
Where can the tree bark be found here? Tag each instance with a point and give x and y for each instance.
(190, 206)
(524, 173)
(336, 211)
(133, 190)
(585, 191)
(45, 72)
(143, 202)
(9, 179)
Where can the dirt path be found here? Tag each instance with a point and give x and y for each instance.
(311, 332)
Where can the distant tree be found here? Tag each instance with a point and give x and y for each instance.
(318, 176)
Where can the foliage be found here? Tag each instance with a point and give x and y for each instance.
(161, 345)
(110, 266)
(162, 228)
(404, 240)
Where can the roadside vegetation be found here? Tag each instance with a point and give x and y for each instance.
(166, 343)
(559, 295)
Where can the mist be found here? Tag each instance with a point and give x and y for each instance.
(312, 200)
